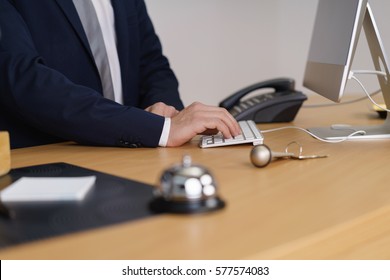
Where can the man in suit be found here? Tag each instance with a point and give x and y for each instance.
(51, 89)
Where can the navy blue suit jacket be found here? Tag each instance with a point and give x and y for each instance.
(50, 88)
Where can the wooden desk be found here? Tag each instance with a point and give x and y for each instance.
(333, 208)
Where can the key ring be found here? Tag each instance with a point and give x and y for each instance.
(286, 150)
(300, 156)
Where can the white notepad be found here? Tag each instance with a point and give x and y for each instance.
(47, 189)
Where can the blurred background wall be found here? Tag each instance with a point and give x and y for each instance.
(219, 46)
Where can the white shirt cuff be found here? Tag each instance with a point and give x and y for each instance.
(165, 133)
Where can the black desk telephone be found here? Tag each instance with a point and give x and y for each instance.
(281, 105)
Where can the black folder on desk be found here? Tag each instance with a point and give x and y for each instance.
(113, 200)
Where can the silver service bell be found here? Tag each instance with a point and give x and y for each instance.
(186, 188)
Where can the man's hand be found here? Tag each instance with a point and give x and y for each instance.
(199, 118)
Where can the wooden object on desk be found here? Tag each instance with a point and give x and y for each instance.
(5, 154)
(332, 208)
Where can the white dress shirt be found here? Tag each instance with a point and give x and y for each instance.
(105, 14)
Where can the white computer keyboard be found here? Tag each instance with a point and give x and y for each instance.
(250, 134)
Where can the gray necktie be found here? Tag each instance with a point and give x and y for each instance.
(91, 26)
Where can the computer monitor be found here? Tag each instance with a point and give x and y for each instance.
(337, 27)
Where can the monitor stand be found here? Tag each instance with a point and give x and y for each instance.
(337, 132)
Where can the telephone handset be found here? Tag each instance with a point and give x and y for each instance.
(280, 105)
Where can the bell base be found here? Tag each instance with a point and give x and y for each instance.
(160, 205)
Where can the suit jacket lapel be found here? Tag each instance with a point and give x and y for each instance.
(70, 12)
(122, 36)
(121, 26)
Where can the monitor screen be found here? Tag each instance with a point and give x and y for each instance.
(335, 36)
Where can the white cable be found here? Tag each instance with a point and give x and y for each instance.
(368, 95)
(361, 132)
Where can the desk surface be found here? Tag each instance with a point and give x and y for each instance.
(332, 208)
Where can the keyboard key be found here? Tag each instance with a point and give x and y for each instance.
(250, 134)
(254, 129)
(247, 132)
(218, 140)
